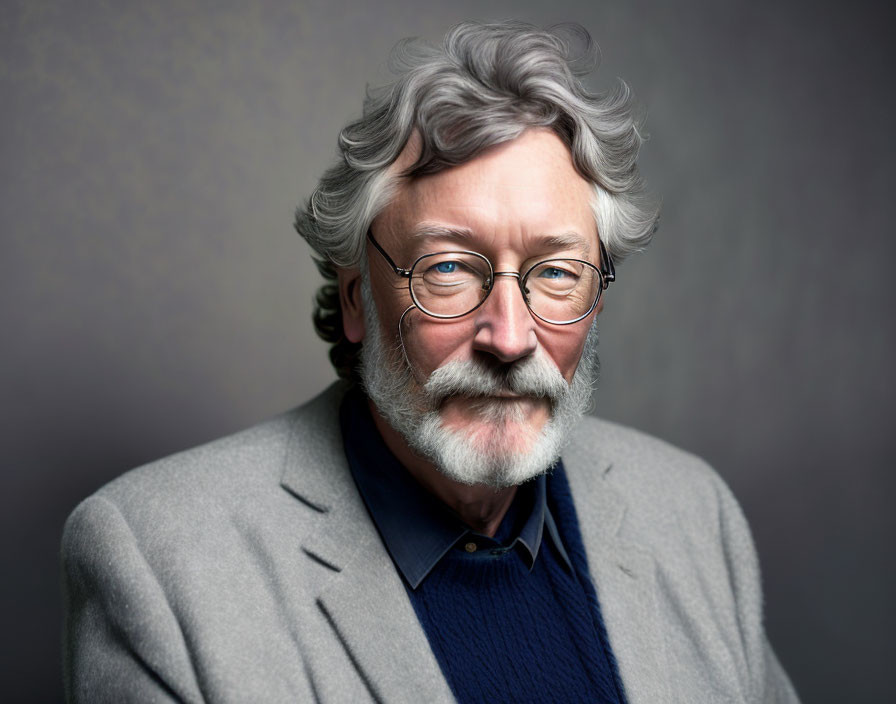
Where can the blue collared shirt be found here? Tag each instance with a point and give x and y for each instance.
(416, 527)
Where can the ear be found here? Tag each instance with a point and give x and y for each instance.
(351, 303)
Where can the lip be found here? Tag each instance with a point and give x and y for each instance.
(480, 398)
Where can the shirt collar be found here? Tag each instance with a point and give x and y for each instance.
(417, 528)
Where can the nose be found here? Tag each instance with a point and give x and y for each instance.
(504, 326)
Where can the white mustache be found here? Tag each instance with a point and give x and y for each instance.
(534, 376)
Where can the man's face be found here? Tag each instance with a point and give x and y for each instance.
(518, 203)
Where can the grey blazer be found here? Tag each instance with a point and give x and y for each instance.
(248, 570)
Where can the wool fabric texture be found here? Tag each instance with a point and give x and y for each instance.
(503, 633)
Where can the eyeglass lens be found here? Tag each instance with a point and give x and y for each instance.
(449, 284)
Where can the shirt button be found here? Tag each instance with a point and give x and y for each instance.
(470, 547)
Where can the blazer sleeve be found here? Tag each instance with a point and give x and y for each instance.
(768, 682)
(122, 641)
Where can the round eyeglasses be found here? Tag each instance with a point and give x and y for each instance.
(451, 284)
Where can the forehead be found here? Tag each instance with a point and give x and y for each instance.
(509, 196)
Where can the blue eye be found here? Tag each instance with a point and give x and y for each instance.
(446, 267)
(552, 273)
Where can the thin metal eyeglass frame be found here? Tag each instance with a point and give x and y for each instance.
(607, 276)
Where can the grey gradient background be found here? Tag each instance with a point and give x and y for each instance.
(154, 295)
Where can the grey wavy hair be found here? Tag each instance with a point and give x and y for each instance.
(485, 84)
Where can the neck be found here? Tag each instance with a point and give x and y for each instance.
(480, 507)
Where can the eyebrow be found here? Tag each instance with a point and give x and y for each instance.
(428, 229)
(564, 240)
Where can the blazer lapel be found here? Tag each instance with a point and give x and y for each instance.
(368, 607)
(364, 600)
(625, 580)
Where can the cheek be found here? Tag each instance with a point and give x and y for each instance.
(391, 299)
(431, 343)
(564, 346)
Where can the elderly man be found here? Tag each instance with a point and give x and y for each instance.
(413, 534)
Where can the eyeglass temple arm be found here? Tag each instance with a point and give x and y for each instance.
(607, 268)
(406, 273)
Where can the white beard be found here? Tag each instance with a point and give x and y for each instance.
(413, 410)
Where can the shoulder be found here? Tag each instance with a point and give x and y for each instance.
(632, 459)
(216, 482)
(667, 493)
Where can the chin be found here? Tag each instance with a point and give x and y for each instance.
(501, 430)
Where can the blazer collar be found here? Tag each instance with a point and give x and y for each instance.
(314, 452)
(623, 571)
